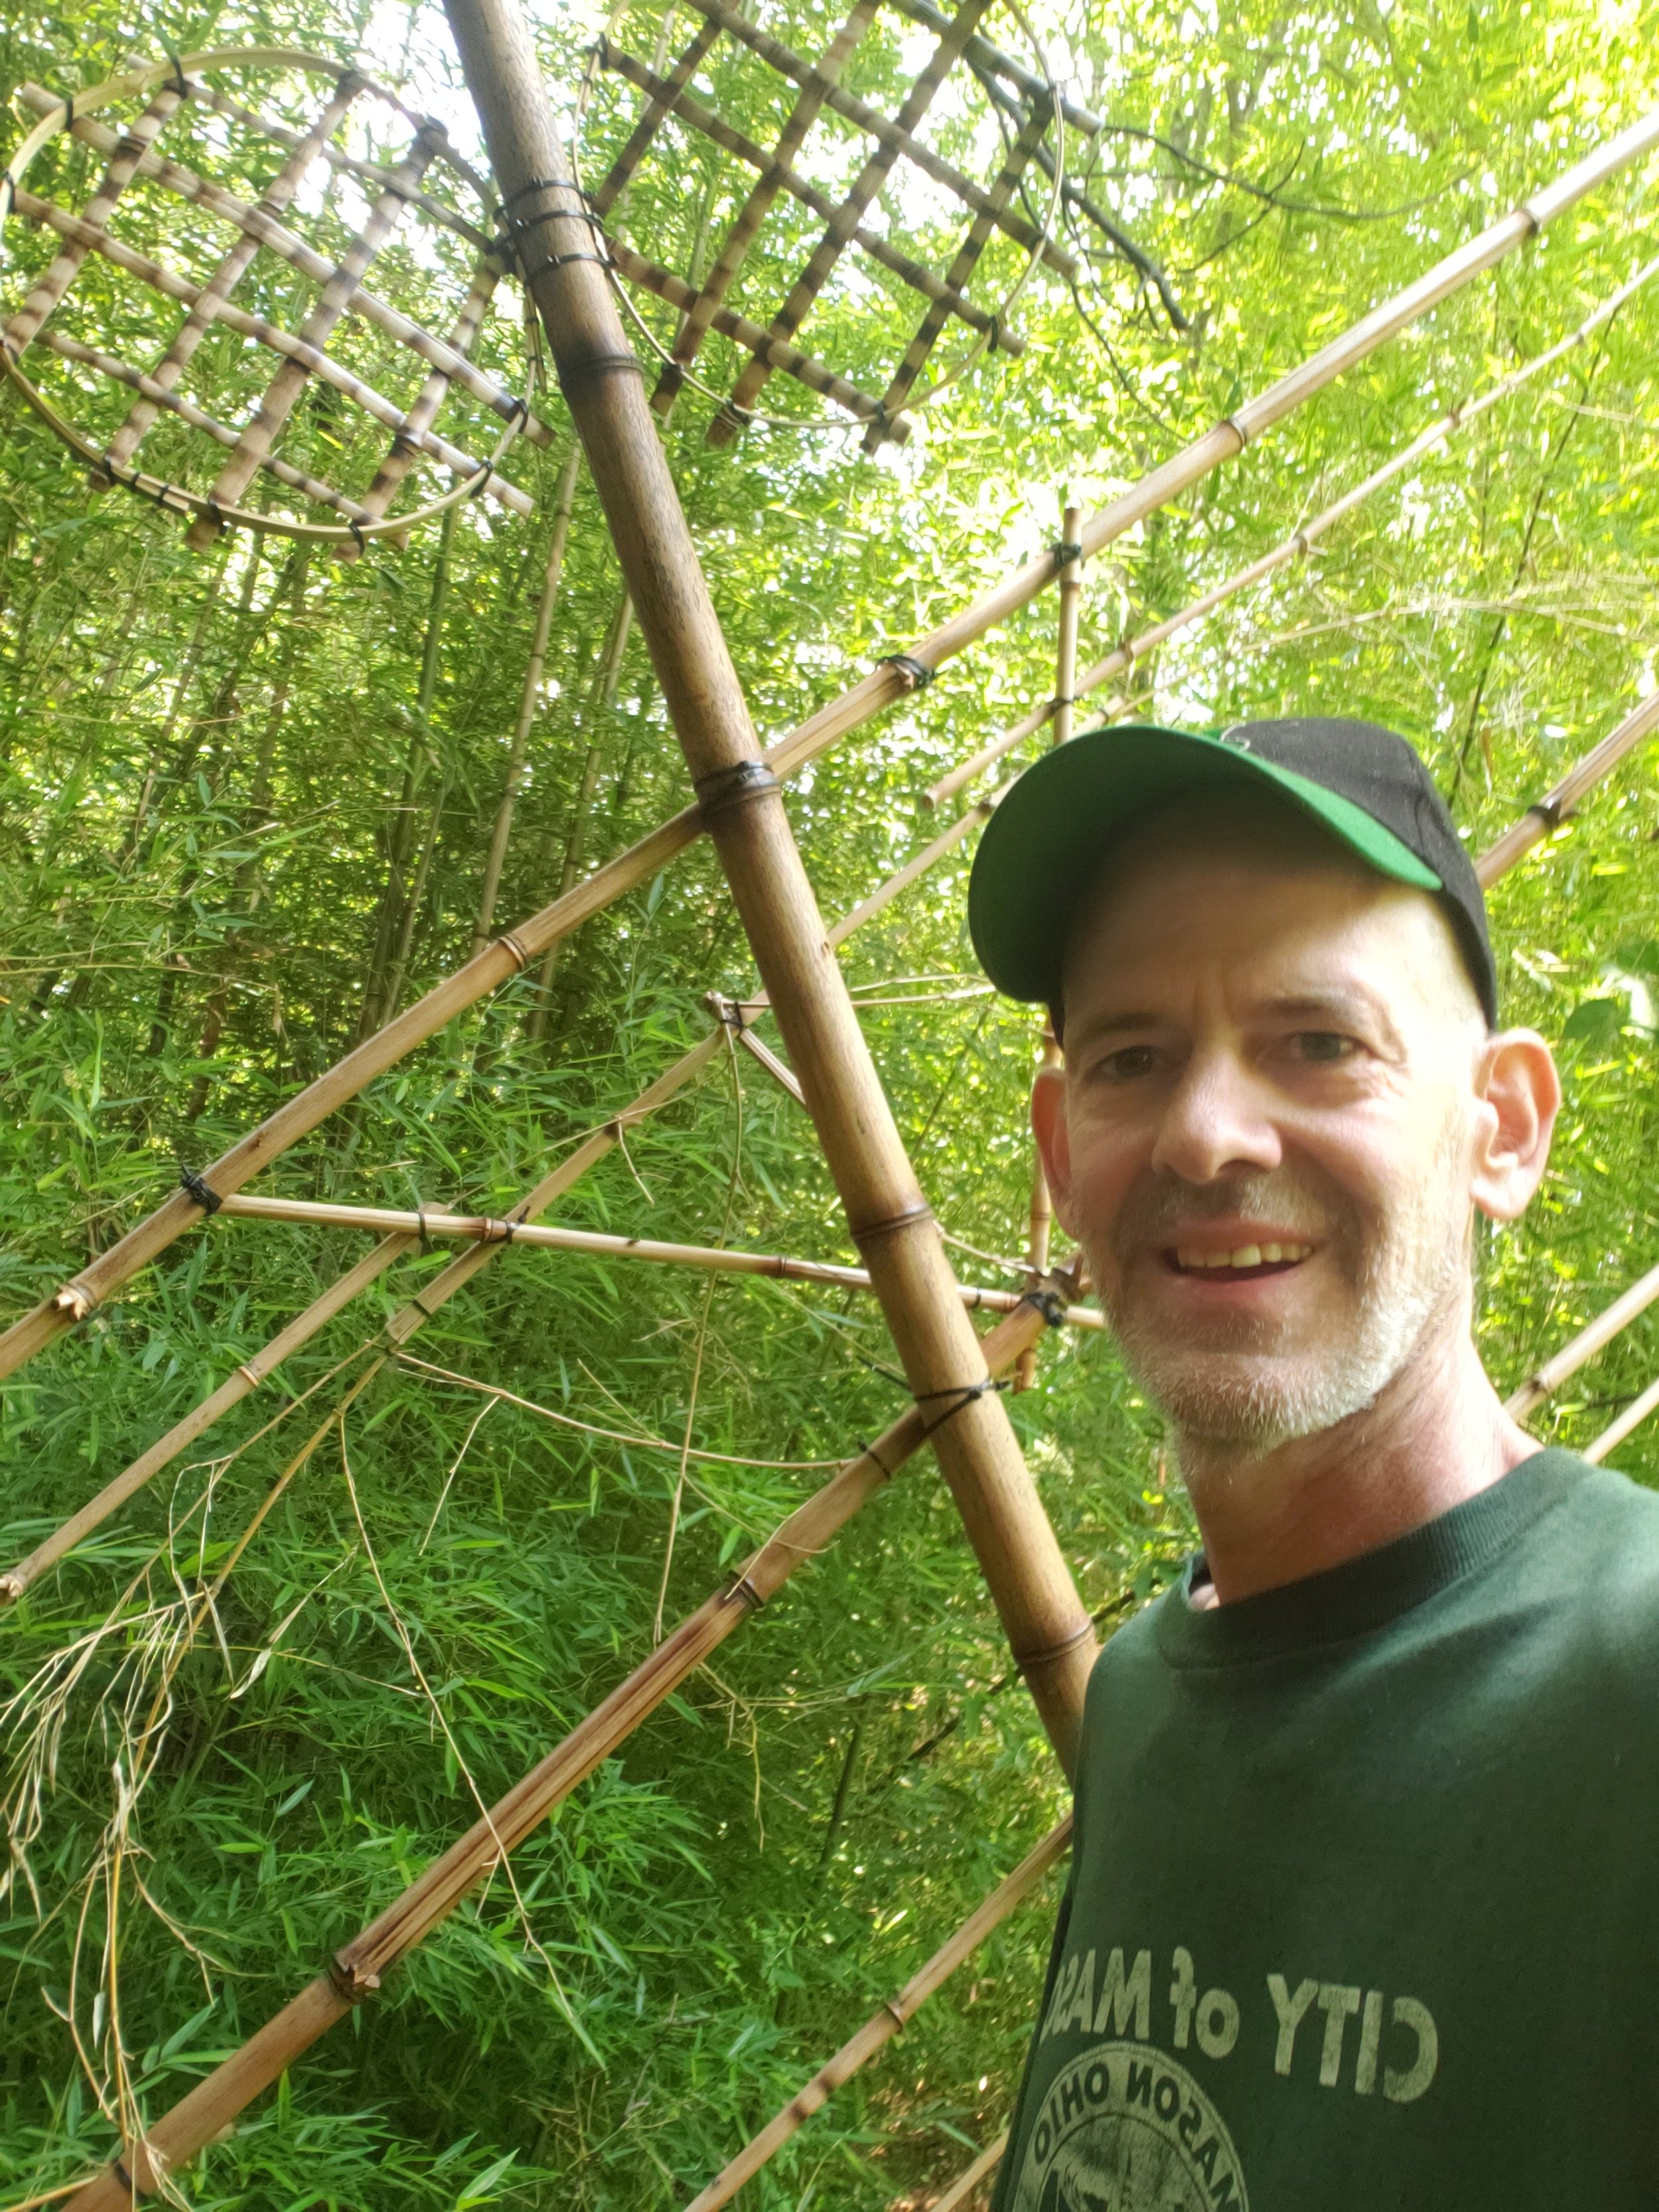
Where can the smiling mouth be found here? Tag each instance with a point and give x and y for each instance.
(1245, 1263)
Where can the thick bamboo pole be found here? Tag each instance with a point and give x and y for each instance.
(600, 1244)
(742, 806)
(1615, 1432)
(564, 500)
(892, 680)
(355, 1971)
(882, 2026)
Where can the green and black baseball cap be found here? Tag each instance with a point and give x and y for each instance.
(1048, 843)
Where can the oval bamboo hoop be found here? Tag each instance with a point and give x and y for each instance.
(177, 499)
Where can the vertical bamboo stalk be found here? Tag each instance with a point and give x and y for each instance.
(1041, 1215)
(741, 805)
(494, 859)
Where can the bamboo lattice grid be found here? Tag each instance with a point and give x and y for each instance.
(239, 201)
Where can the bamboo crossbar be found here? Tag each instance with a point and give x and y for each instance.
(775, 176)
(600, 1244)
(1545, 817)
(159, 399)
(802, 293)
(297, 1116)
(897, 137)
(663, 96)
(982, 54)
(356, 1971)
(275, 339)
(969, 2179)
(1298, 545)
(1631, 1419)
(276, 236)
(889, 2020)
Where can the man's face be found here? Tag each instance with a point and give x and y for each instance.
(1262, 1137)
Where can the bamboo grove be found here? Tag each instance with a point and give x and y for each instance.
(259, 798)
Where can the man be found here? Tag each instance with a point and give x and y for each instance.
(1365, 1878)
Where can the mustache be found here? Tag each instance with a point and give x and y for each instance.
(1163, 1205)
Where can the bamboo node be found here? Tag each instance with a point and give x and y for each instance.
(916, 673)
(598, 365)
(75, 1301)
(1231, 423)
(248, 1374)
(354, 1983)
(1027, 1661)
(521, 958)
(12, 1587)
(743, 1590)
(202, 1191)
(899, 2020)
(737, 785)
(871, 1232)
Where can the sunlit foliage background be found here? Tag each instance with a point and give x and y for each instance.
(218, 780)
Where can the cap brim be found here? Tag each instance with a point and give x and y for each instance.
(1043, 848)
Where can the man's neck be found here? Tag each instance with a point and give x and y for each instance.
(1433, 1437)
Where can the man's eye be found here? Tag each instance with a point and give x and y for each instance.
(1324, 1047)
(1129, 1064)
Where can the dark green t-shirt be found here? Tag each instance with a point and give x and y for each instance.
(1364, 1896)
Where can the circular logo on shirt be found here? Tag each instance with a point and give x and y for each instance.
(1125, 2129)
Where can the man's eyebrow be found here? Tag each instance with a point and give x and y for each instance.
(1106, 1026)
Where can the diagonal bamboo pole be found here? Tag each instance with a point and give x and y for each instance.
(1542, 820)
(742, 806)
(602, 1244)
(356, 1971)
(894, 2015)
(969, 2179)
(888, 681)
(1584, 1347)
(1615, 1432)
(1296, 547)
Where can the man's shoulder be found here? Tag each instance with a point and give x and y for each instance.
(1601, 1543)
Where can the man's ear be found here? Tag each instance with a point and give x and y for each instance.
(1053, 1140)
(1522, 1093)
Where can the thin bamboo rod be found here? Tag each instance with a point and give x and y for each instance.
(279, 341)
(982, 53)
(962, 265)
(1542, 820)
(529, 698)
(289, 381)
(424, 412)
(282, 241)
(971, 2176)
(884, 2025)
(816, 275)
(1589, 1340)
(1615, 1432)
(916, 865)
(277, 195)
(663, 96)
(807, 742)
(356, 1971)
(777, 176)
(159, 399)
(896, 135)
(126, 151)
(1299, 544)
(715, 1259)
(694, 326)
(1041, 1212)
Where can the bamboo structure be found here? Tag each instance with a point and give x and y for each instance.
(1631, 1419)
(356, 1971)
(894, 678)
(1590, 1339)
(1546, 815)
(715, 1259)
(979, 2170)
(892, 2017)
(1296, 547)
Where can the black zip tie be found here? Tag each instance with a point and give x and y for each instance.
(68, 113)
(1065, 552)
(357, 529)
(8, 187)
(869, 1451)
(123, 2177)
(920, 674)
(179, 83)
(546, 185)
(962, 1393)
(1049, 1304)
(426, 1242)
(203, 1193)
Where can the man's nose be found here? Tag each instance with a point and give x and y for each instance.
(1216, 1122)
